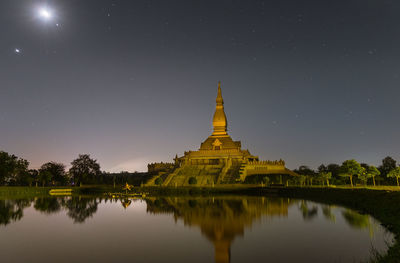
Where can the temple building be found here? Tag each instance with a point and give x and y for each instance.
(220, 160)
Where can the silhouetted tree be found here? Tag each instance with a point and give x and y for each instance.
(334, 169)
(12, 169)
(388, 164)
(52, 172)
(32, 176)
(84, 169)
(322, 169)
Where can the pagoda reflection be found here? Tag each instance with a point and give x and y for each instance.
(221, 219)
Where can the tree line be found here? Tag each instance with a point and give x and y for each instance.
(14, 171)
(350, 172)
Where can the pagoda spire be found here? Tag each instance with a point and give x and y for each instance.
(219, 120)
(219, 99)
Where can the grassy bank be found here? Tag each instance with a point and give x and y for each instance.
(17, 192)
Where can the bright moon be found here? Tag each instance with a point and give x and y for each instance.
(45, 13)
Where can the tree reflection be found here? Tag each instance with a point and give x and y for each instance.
(327, 211)
(47, 205)
(80, 209)
(356, 220)
(307, 212)
(12, 210)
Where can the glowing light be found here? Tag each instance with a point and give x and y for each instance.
(17, 50)
(45, 13)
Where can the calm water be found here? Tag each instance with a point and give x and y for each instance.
(220, 229)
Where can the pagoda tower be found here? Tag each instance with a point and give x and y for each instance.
(219, 160)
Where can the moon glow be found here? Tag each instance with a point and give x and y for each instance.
(45, 13)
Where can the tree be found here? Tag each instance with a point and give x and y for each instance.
(32, 176)
(192, 180)
(52, 172)
(395, 173)
(325, 176)
(45, 177)
(12, 169)
(350, 168)
(301, 179)
(307, 172)
(362, 175)
(388, 164)
(372, 171)
(84, 169)
(335, 170)
(322, 168)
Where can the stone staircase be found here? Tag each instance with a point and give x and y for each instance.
(231, 175)
(242, 170)
(152, 180)
(204, 174)
(170, 176)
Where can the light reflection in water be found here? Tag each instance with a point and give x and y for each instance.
(222, 220)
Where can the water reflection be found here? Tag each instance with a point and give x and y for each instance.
(48, 205)
(327, 212)
(223, 219)
(79, 209)
(308, 212)
(356, 220)
(12, 210)
(220, 219)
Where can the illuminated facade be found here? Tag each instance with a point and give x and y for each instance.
(220, 160)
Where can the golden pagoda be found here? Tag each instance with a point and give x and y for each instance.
(220, 160)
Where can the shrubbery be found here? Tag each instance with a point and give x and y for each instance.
(192, 180)
(158, 181)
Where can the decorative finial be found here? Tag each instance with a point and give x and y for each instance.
(220, 101)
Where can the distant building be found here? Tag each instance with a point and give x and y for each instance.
(220, 160)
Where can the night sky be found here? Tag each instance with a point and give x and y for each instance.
(132, 82)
